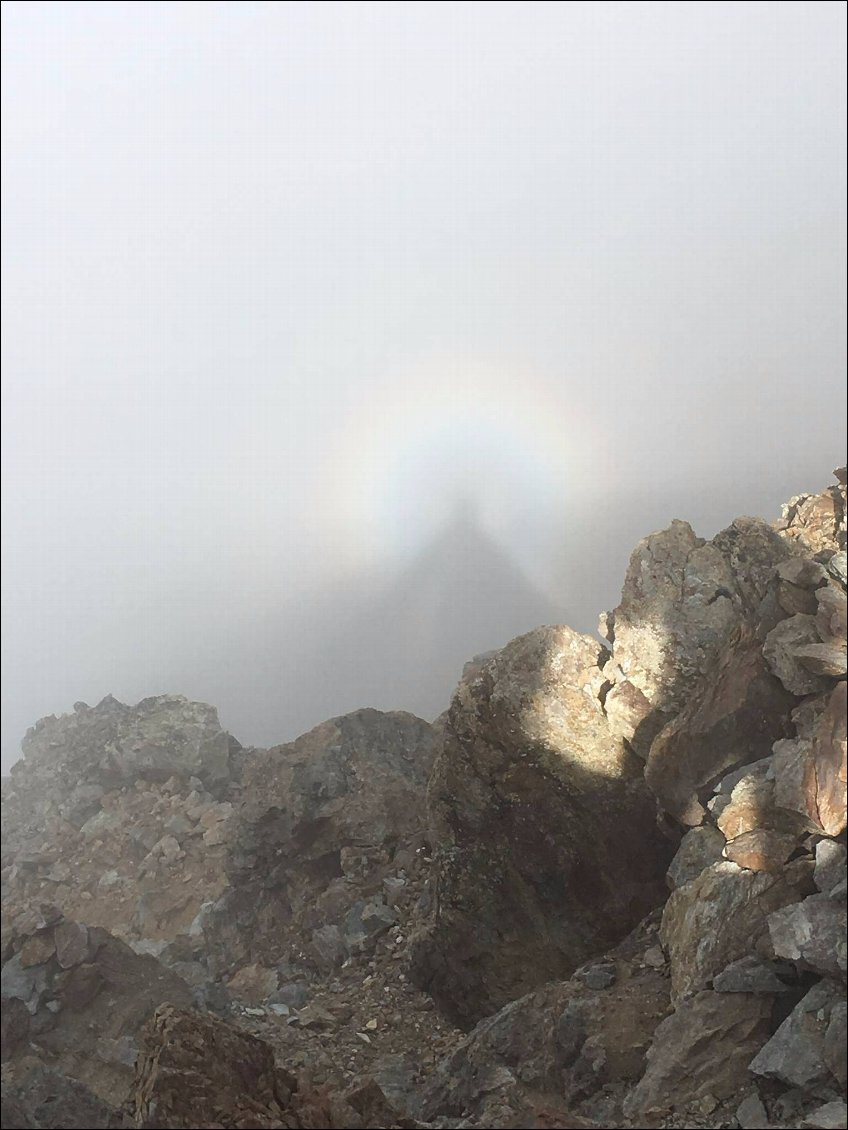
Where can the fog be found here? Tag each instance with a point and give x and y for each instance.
(344, 341)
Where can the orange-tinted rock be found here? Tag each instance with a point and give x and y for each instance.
(761, 849)
(810, 769)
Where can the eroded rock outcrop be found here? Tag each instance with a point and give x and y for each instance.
(116, 815)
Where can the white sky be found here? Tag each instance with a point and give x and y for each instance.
(283, 282)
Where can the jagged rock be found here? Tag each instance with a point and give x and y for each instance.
(762, 849)
(783, 649)
(701, 1049)
(830, 865)
(15, 1018)
(38, 949)
(813, 932)
(718, 918)
(826, 659)
(548, 846)
(78, 1013)
(699, 849)
(598, 976)
(760, 836)
(366, 921)
(71, 942)
(830, 1116)
(796, 1052)
(22, 982)
(253, 984)
(751, 1114)
(118, 866)
(810, 769)
(735, 718)
(35, 1095)
(328, 947)
(682, 599)
(563, 1048)
(817, 521)
(837, 567)
(199, 1071)
(750, 974)
(112, 743)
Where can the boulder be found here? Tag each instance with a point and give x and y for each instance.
(810, 769)
(750, 974)
(548, 845)
(717, 918)
(699, 849)
(200, 1071)
(830, 868)
(682, 600)
(796, 1053)
(701, 1050)
(785, 649)
(734, 719)
(812, 932)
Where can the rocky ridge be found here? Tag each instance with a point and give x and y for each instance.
(607, 888)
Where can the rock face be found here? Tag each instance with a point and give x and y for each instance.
(83, 1013)
(547, 844)
(321, 822)
(624, 865)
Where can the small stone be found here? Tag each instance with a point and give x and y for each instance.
(709, 1103)
(279, 1009)
(371, 1025)
(830, 865)
(654, 957)
(598, 976)
(71, 940)
(365, 1038)
(294, 994)
(751, 1114)
(37, 949)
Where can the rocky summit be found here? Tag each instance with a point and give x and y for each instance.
(606, 888)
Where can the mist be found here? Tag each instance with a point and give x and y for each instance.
(342, 342)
